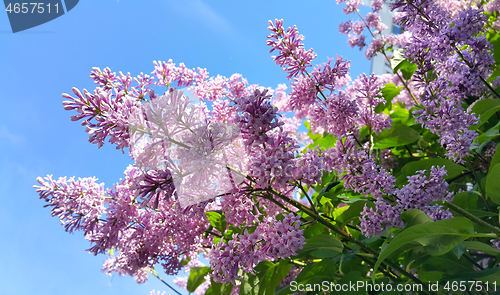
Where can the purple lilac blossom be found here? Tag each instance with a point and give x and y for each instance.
(292, 57)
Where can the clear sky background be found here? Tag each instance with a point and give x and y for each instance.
(38, 138)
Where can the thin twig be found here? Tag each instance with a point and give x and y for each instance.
(154, 273)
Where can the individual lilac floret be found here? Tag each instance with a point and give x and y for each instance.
(153, 186)
(78, 203)
(256, 116)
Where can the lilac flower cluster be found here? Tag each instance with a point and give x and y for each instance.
(272, 239)
(358, 171)
(241, 158)
(111, 116)
(112, 220)
(373, 23)
(292, 57)
(79, 203)
(419, 193)
(256, 116)
(366, 90)
(154, 185)
(447, 78)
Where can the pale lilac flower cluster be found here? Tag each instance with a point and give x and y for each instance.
(372, 21)
(115, 104)
(272, 239)
(105, 78)
(78, 203)
(305, 89)
(166, 236)
(102, 115)
(309, 167)
(351, 5)
(240, 209)
(113, 222)
(292, 57)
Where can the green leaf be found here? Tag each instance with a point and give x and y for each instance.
(219, 288)
(398, 135)
(493, 184)
(415, 216)
(485, 109)
(318, 272)
(390, 91)
(314, 230)
(217, 220)
(322, 246)
(433, 268)
(323, 142)
(401, 116)
(411, 168)
(267, 277)
(196, 277)
(437, 237)
(488, 275)
(329, 186)
(313, 273)
(481, 247)
(379, 108)
(354, 211)
(496, 158)
(397, 58)
(489, 134)
(459, 250)
(466, 200)
(398, 62)
(351, 278)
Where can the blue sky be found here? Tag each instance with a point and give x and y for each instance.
(37, 137)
